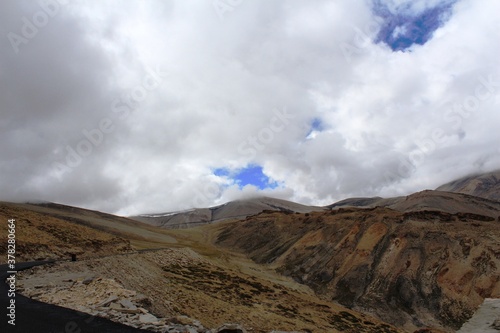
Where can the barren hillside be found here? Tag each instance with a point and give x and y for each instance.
(486, 185)
(42, 235)
(234, 209)
(414, 269)
(181, 282)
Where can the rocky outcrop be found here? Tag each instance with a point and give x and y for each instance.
(414, 270)
(107, 298)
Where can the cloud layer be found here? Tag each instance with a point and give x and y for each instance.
(132, 107)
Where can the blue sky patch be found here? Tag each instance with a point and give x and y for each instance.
(250, 175)
(221, 172)
(316, 126)
(402, 30)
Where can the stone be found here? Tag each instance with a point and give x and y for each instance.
(183, 320)
(147, 318)
(115, 306)
(142, 299)
(88, 280)
(124, 310)
(108, 300)
(128, 304)
(231, 328)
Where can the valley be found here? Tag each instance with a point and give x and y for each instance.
(421, 263)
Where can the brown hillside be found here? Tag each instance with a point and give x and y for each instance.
(486, 185)
(233, 209)
(414, 269)
(41, 236)
(192, 277)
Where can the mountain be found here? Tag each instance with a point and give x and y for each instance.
(234, 209)
(486, 185)
(450, 197)
(413, 269)
(474, 194)
(43, 233)
(447, 202)
(163, 280)
(428, 259)
(418, 263)
(54, 231)
(428, 200)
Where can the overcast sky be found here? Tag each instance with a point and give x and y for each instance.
(150, 106)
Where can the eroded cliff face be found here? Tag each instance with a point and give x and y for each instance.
(413, 269)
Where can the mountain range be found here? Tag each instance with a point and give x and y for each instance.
(476, 194)
(418, 263)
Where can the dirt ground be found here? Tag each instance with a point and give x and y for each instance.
(182, 282)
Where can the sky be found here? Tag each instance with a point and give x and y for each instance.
(134, 106)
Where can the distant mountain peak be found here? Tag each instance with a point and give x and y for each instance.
(236, 209)
(484, 185)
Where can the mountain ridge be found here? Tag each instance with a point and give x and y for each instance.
(484, 185)
(236, 209)
(422, 262)
(477, 194)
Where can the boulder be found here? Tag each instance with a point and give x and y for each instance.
(115, 306)
(110, 299)
(126, 303)
(231, 328)
(183, 320)
(147, 318)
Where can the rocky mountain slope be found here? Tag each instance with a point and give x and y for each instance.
(54, 231)
(189, 285)
(446, 202)
(412, 269)
(440, 201)
(421, 263)
(486, 185)
(45, 232)
(158, 290)
(234, 209)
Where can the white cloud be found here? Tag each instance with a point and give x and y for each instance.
(399, 31)
(224, 80)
